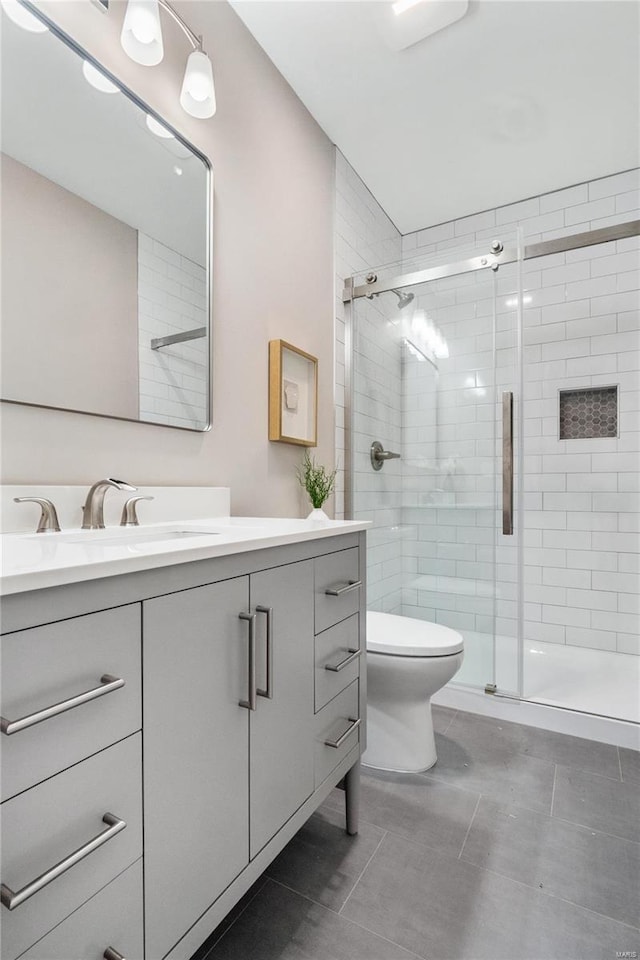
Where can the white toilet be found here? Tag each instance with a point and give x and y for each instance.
(408, 661)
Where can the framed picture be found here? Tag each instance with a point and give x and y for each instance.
(293, 395)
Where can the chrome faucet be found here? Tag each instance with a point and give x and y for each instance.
(93, 510)
(48, 517)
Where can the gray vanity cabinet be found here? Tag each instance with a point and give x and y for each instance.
(196, 754)
(281, 743)
(252, 686)
(220, 777)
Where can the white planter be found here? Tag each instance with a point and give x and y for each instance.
(318, 515)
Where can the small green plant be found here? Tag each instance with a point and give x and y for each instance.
(316, 481)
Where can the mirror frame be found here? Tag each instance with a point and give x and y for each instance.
(84, 54)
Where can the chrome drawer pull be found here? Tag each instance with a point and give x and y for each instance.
(107, 684)
(336, 668)
(268, 691)
(347, 588)
(111, 954)
(251, 702)
(338, 743)
(12, 900)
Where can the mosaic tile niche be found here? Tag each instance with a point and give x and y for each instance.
(589, 413)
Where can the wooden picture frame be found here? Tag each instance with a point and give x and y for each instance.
(293, 395)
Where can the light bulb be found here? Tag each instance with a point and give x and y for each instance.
(143, 28)
(198, 96)
(23, 17)
(97, 78)
(158, 128)
(199, 88)
(141, 36)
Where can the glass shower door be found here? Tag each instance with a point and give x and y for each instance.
(429, 365)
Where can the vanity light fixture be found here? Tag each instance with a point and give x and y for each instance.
(141, 39)
(22, 17)
(141, 36)
(97, 78)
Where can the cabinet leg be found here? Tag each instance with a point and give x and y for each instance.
(352, 798)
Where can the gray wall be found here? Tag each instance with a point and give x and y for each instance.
(59, 300)
(273, 268)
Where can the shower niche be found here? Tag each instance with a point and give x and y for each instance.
(587, 414)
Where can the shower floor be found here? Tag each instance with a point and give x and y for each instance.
(577, 678)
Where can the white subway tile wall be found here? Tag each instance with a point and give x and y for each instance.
(365, 237)
(172, 298)
(581, 519)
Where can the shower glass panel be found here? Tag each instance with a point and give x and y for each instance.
(430, 364)
(581, 583)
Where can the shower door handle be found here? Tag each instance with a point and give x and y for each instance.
(507, 463)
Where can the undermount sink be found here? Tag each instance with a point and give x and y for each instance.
(112, 538)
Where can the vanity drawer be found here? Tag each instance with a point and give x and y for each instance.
(337, 659)
(45, 825)
(337, 588)
(113, 918)
(49, 665)
(336, 724)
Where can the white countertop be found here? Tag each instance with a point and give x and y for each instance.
(35, 561)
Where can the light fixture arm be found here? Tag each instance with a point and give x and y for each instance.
(196, 42)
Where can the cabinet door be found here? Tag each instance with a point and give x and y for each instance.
(281, 752)
(196, 738)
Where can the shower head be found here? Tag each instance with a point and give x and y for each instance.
(404, 299)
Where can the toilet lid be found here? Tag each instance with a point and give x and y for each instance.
(407, 637)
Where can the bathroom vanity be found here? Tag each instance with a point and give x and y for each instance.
(217, 697)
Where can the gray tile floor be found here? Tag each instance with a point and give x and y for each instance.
(520, 844)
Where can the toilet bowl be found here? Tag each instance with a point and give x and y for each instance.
(408, 660)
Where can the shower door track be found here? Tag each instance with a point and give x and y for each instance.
(492, 261)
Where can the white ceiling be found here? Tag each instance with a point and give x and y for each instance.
(517, 98)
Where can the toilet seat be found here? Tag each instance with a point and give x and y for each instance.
(407, 637)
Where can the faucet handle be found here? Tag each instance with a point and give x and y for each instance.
(129, 516)
(48, 518)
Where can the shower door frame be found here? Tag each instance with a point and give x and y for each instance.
(492, 260)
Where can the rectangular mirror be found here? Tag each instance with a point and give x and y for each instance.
(106, 226)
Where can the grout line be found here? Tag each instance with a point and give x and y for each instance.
(473, 816)
(235, 920)
(551, 896)
(305, 896)
(494, 799)
(490, 871)
(362, 871)
(446, 729)
(603, 833)
(581, 770)
(553, 789)
(620, 764)
(410, 954)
